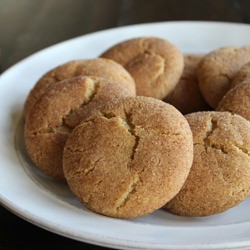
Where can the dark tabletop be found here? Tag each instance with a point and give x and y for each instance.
(27, 26)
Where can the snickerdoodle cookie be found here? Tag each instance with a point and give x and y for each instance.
(243, 75)
(129, 158)
(186, 96)
(220, 175)
(58, 111)
(155, 64)
(237, 100)
(99, 67)
(217, 70)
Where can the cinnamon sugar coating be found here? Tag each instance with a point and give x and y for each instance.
(220, 175)
(99, 67)
(58, 111)
(129, 158)
(155, 64)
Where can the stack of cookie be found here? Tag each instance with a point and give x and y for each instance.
(61, 99)
(101, 125)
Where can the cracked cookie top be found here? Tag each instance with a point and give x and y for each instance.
(217, 69)
(155, 64)
(99, 67)
(58, 111)
(220, 175)
(186, 96)
(129, 158)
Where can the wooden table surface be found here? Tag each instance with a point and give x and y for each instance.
(27, 26)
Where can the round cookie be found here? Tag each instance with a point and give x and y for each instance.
(130, 158)
(99, 67)
(186, 96)
(217, 70)
(58, 111)
(220, 175)
(243, 75)
(237, 100)
(155, 64)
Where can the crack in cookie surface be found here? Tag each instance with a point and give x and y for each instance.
(90, 170)
(126, 122)
(87, 171)
(207, 143)
(93, 86)
(145, 51)
(241, 149)
(92, 89)
(97, 184)
(209, 132)
(126, 196)
(51, 130)
(131, 130)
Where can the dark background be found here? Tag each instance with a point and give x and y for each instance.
(27, 26)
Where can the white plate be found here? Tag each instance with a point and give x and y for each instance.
(50, 205)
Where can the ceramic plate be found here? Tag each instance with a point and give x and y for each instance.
(49, 204)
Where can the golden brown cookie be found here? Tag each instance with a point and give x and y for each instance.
(155, 64)
(130, 158)
(217, 70)
(58, 111)
(237, 100)
(243, 75)
(99, 67)
(186, 96)
(220, 175)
